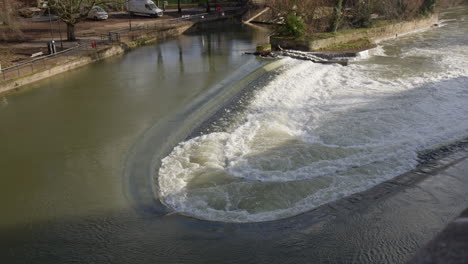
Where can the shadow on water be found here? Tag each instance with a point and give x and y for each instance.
(386, 226)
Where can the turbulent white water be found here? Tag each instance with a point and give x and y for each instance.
(317, 133)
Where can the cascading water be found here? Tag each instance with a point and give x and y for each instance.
(316, 133)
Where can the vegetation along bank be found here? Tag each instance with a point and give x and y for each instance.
(348, 25)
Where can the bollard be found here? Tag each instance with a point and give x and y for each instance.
(2, 73)
(54, 49)
(51, 47)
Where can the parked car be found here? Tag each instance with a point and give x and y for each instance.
(143, 8)
(98, 13)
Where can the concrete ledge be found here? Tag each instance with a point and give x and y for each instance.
(374, 34)
(449, 247)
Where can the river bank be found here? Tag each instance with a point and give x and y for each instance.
(337, 44)
(105, 51)
(350, 41)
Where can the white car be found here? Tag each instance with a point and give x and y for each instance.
(98, 13)
(143, 8)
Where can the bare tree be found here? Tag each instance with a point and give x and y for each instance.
(5, 12)
(333, 15)
(72, 12)
(429, 6)
(315, 13)
(337, 16)
(11, 30)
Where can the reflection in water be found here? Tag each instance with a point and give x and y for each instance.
(181, 57)
(4, 102)
(161, 62)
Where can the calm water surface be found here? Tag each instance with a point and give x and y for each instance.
(66, 198)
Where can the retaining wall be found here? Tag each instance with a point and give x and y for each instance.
(143, 39)
(15, 84)
(374, 34)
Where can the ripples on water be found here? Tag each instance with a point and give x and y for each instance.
(316, 133)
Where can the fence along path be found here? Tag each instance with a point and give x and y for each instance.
(84, 46)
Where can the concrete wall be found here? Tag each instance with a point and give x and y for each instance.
(139, 40)
(100, 54)
(374, 34)
(57, 69)
(208, 24)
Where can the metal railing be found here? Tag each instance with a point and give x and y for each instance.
(39, 63)
(85, 47)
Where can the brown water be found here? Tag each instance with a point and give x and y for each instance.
(67, 144)
(65, 139)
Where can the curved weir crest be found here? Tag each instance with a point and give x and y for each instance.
(158, 141)
(316, 133)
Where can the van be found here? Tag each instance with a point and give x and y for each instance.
(143, 8)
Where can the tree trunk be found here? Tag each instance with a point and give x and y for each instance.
(71, 32)
(178, 7)
(208, 9)
(337, 15)
(5, 13)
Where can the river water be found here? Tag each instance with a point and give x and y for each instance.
(79, 182)
(317, 133)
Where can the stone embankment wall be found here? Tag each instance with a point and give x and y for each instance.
(54, 70)
(99, 54)
(374, 34)
(15, 84)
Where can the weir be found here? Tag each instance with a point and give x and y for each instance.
(310, 163)
(145, 158)
(312, 136)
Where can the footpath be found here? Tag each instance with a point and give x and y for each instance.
(103, 44)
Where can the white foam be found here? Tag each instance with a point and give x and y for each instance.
(317, 133)
(366, 54)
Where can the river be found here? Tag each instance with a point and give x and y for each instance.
(80, 180)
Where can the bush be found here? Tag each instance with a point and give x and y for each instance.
(294, 26)
(428, 7)
(362, 16)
